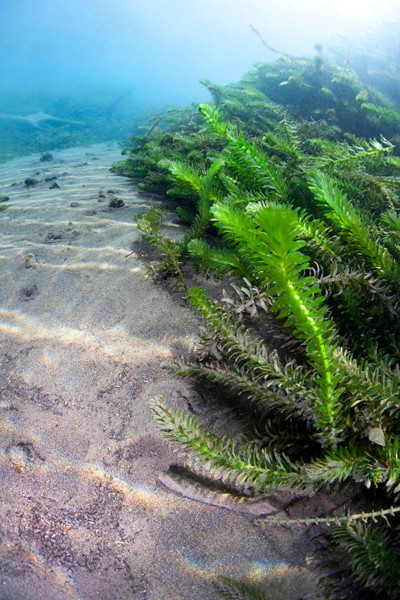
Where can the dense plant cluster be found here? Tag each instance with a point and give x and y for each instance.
(304, 218)
(329, 104)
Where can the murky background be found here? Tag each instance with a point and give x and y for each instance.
(109, 63)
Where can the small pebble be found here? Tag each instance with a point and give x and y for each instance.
(29, 261)
(29, 181)
(46, 157)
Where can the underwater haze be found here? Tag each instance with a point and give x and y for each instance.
(84, 58)
(199, 251)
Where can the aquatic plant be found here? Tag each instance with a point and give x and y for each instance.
(174, 251)
(335, 394)
(375, 560)
(3, 199)
(307, 229)
(346, 404)
(232, 590)
(305, 94)
(386, 119)
(174, 136)
(245, 172)
(171, 251)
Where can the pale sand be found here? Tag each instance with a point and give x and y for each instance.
(83, 336)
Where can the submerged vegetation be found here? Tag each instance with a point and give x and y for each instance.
(290, 186)
(3, 199)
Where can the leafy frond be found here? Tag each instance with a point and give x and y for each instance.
(247, 465)
(253, 158)
(374, 560)
(374, 389)
(283, 146)
(343, 464)
(319, 237)
(245, 361)
(183, 174)
(219, 260)
(232, 590)
(348, 518)
(207, 197)
(243, 465)
(379, 464)
(267, 241)
(343, 275)
(201, 186)
(339, 155)
(170, 250)
(239, 197)
(391, 224)
(358, 229)
(283, 392)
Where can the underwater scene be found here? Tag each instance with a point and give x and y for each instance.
(199, 300)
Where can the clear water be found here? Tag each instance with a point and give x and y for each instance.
(75, 59)
(83, 332)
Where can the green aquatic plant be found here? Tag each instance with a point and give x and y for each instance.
(372, 560)
(336, 393)
(3, 199)
(261, 173)
(174, 136)
(386, 119)
(267, 241)
(201, 186)
(346, 405)
(277, 129)
(375, 562)
(358, 229)
(305, 227)
(342, 412)
(315, 89)
(171, 251)
(233, 590)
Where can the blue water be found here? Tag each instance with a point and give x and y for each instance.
(75, 58)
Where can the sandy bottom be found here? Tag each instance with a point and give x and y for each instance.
(83, 335)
